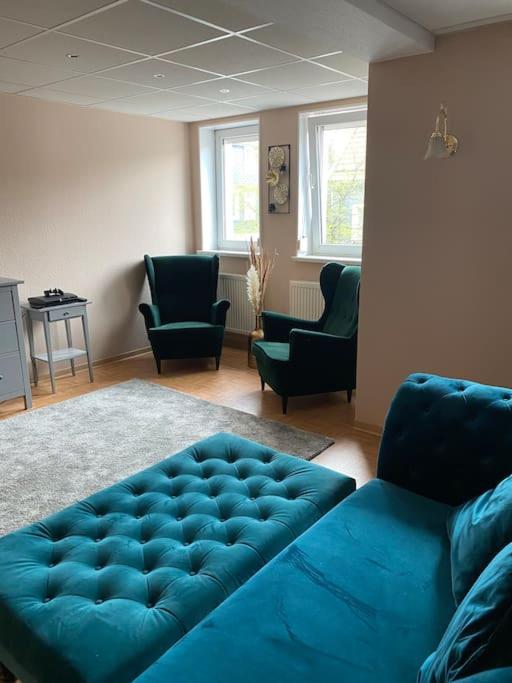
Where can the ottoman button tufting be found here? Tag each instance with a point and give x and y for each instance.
(98, 567)
(145, 571)
(142, 541)
(150, 604)
(192, 573)
(98, 601)
(47, 600)
(52, 564)
(179, 519)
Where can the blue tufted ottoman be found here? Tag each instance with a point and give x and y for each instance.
(97, 592)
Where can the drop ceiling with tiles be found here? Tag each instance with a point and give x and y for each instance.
(190, 60)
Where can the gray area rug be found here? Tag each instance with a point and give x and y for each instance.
(56, 455)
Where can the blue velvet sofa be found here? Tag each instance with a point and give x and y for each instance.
(365, 595)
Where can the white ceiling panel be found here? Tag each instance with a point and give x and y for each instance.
(151, 104)
(12, 31)
(11, 87)
(57, 96)
(440, 14)
(346, 64)
(299, 74)
(145, 28)
(101, 88)
(48, 12)
(53, 49)
(229, 56)
(16, 71)
(334, 91)
(273, 100)
(216, 89)
(296, 41)
(157, 73)
(219, 13)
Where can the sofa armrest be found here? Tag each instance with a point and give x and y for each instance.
(447, 439)
(151, 315)
(277, 326)
(219, 311)
(317, 348)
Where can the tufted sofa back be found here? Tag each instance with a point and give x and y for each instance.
(447, 439)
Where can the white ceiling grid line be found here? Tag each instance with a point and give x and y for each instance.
(208, 58)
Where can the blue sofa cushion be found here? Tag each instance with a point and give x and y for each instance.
(478, 530)
(100, 590)
(478, 636)
(361, 597)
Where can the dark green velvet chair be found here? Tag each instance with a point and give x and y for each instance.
(184, 319)
(300, 357)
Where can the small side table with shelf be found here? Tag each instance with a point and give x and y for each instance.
(51, 314)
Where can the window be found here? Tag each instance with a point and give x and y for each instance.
(333, 176)
(237, 186)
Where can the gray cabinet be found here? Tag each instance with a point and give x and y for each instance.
(14, 379)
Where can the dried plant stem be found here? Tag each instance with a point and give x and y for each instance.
(261, 266)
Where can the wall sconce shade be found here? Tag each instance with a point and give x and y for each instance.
(441, 145)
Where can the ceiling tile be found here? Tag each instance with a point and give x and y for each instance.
(229, 56)
(151, 104)
(271, 100)
(141, 27)
(347, 64)
(52, 48)
(12, 31)
(334, 91)
(219, 13)
(299, 74)
(100, 88)
(143, 73)
(57, 96)
(16, 71)
(11, 87)
(236, 89)
(48, 12)
(297, 42)
(209, 111)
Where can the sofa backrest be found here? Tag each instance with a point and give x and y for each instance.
(447, 439)
(183, 287)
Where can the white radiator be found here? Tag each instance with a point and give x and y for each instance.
(306, 300)
(240, 317)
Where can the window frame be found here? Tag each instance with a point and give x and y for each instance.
(312, 209)
(241, 133)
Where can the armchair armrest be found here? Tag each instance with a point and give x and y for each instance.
(151, 315)
(447, 439)
(219, 311)
(277, 326)
(312, 348)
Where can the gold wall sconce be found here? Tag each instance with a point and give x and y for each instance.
(441, 145)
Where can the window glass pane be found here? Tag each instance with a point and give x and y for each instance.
(241, 191)
(343, 154)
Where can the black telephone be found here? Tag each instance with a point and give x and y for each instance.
(54, 297)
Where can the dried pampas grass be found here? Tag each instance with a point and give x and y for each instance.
(260, 268)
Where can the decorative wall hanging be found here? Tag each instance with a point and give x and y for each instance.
(278, 179)
(441, 144)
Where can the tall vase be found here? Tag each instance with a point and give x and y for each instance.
(255, 335)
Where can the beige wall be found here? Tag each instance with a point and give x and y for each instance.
(436, 289)
(278, 231)
(83, 195)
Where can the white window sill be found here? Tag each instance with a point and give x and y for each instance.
(224, 252)
(309, 258)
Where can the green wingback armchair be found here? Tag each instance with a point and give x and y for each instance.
(184, 319)
(299, 357)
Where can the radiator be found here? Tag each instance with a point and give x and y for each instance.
(306, 300)
(240, 316)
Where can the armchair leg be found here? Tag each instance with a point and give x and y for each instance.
(349, 395)
(217, 362)
(158, 365)
(285, 404)
(262, 383)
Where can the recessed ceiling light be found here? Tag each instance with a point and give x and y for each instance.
(158, 75)
(224, 91)
(70, 55)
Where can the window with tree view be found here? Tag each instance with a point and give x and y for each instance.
(337, 155)
(237, 187)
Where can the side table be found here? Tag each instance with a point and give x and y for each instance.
(51, 314)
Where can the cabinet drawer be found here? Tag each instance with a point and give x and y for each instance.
(6, 305)
(63, 313)
(8, 337)
(11, 379)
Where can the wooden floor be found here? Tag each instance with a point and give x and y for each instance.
(235, 385)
